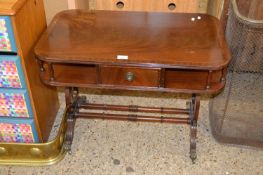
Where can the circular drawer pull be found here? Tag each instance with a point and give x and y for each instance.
(171, 6)
(119, 4)
(129, 76)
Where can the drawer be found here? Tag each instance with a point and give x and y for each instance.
(186, 79)
(190, 6)
(7, 40)
(18, 131)
(71, 74)
(15, 103)
(11, 74)
(130, 76)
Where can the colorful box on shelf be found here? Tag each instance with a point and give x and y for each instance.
(15, 103)
(18, 131)
(7, 41)
(11, 74)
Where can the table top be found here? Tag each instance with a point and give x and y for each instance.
(147, 38)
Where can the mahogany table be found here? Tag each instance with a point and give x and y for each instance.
(165, 52)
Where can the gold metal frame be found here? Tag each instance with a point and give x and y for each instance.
(36, 154)
(239, 15)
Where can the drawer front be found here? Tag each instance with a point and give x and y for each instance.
(18, 131)
(190, 6)
(11, 74)
(15, 103)
(7, 40)
(130, 76)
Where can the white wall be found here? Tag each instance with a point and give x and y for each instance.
(52, 7)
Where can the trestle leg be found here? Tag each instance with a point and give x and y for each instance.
(193, 134)
(194, 112)
(73, 101)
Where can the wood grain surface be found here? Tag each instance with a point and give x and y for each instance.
(114, 75)
(153, 39)
(162, 51)
(28, 24)
(149, 5)
(10, 7)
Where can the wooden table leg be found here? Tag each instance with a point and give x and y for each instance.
(74, 102)
(71, 95)
(194, 112)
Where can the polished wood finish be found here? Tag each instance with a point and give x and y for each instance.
(10, 7)
(138, 118)
(162, 55)
(134, 108)
(65, 74)
(132, 34)
(28, 23)
(77, 107)
(133, 51)
(117, 76)
(193, 79)
(171, 80)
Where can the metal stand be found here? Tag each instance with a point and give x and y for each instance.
(75, 102)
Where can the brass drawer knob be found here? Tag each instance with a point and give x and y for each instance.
(129, 76)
